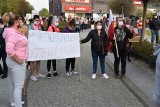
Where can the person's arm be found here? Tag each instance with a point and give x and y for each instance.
(10, 45)
(89, 36)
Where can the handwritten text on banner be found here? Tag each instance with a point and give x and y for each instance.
(50, 45)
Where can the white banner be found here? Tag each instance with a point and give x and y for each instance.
(51, 45)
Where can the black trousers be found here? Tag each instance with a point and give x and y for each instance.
(3, 70)
(122, 58)
(70, 61)
(49, 65)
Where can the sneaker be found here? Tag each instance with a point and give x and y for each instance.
(123, 76)
(74, 72)
(33, 78)
(105, 76)
(67, 74)
(40, 75)
(4, 76)
(93, 76)
(117, 76)
(48, 75)
(12, 104)
(55, 73)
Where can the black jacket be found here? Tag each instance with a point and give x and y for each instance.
(122, 36)
(98, 43)
(2, 40)
(154, 24)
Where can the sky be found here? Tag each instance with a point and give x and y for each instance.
(39, 4)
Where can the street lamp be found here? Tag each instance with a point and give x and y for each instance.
(122, 5)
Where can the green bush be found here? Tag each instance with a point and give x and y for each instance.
(143, 48)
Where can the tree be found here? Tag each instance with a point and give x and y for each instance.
(44, 12)
(19, 7)
(116, 6)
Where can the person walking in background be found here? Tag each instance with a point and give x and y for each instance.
(157, 80)
(53, 28)
(154, 25)
(3, 54)
(77, 28)
(70, 61)
(122, 34)
(17, 54)
(98, 47)
(139, 26)
(35, 26)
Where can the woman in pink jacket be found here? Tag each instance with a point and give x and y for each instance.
(17, 54)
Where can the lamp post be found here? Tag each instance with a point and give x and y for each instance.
(122, 5)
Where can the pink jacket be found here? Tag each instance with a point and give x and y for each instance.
(50, 29)
(16, 43)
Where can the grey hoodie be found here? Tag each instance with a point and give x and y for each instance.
(156, 49)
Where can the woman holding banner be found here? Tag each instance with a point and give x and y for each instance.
(17, 54)
(35, 26)
(98, 47)
(53, 28)
(70, 61)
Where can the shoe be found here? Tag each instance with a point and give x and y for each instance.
(12, 104)
(33, 78)
(74, 72)
(105, 76)
(4, 76)
(129, 60)
(123, 76)
(48, 75)
(55, 73)
(67, 74)
(117, 76)
(93, 76)
(40, 75)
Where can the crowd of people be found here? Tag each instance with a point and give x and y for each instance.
(14, 49)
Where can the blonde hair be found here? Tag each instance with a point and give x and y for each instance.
(9, 18)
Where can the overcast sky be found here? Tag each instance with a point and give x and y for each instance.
(39, 4)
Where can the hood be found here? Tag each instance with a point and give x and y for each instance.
(156, 49)
(8, 31)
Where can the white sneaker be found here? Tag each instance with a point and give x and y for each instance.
(33, 78)
(93, 76)
(105, 76)
(12, 104)
(40, 75)
(74, 72)
(68, 74)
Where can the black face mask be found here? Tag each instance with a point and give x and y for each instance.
(155, 18)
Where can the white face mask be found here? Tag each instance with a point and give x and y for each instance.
(1, 26)
(120, 23)
(56, 24)
(36, 22)
(99, 27)
(21, 24)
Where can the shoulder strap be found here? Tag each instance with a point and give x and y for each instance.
(53, 29)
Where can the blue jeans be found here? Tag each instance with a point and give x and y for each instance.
(140, 33)
(95, 56)
(154, 32)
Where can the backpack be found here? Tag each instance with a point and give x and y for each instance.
(2, 40)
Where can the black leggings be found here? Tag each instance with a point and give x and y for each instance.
(49, 65)
(70, 61)
(3, 70)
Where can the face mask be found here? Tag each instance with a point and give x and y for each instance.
(99, 27)
(120, 23)
(36, 22)
(1, 26)
(56, 24)
(21, 24)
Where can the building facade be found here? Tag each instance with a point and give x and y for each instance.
(55, 7)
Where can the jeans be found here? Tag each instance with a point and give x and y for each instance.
(95, 56)
(3, 71)
(122, 57)
(49, 65)
(154, 32)
(70, 61)
(18, 73)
